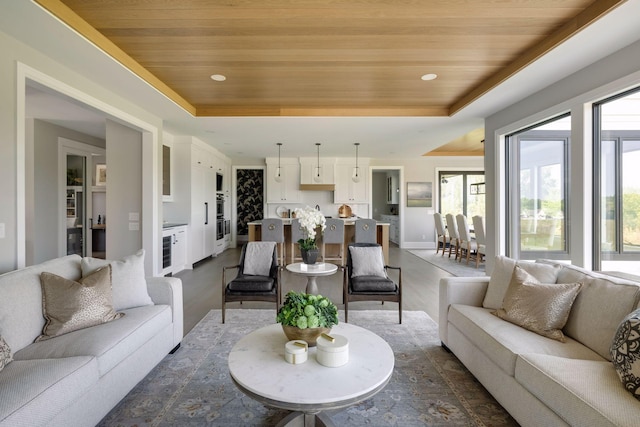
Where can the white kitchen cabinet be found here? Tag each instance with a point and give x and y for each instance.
(348, 191)
(309, 173)
(394, 227)
(393, 188)
(194, 198)
(287, 188)
(178, 247)
(203, 206)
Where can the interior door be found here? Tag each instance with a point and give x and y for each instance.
(75, 183)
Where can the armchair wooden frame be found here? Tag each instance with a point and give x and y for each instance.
(349, 296)
(228, 296)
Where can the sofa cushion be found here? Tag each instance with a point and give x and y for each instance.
(69, 305)
(582, 392)
(602, 304)
(110, 343)
(502, 341)
(542, 308)
(367, 261)
(5, 353)
(501, 277)
(625, 353)
(32, 392)
(21, 318)
(128, 279)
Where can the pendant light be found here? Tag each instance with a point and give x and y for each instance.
(317, 173)
(278, 176)
(355, 177)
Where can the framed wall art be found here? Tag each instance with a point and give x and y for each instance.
(101, 174)
(419, 194)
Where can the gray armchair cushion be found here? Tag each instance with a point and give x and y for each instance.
(247, 283)
(373, 285)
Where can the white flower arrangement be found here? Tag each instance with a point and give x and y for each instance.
(310, 221)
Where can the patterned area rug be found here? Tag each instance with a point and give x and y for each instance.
(193, 388)
(459, 269)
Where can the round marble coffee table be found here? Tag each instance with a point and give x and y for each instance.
(312, 271)
(258, 368)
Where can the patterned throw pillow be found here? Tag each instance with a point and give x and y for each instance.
(5, 353)
(539, 307)
(69, 305)
(625, 353)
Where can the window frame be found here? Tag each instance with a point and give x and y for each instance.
(514, 195)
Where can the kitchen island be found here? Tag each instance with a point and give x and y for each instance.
(382, 236)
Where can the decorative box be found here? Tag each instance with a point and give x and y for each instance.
(296, 351)
(332, 350)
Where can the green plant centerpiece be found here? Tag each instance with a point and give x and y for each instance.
(310, 221)
(306, 316)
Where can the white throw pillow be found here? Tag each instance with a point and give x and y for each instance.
(501, 277)
(128, 279)
(367, 261)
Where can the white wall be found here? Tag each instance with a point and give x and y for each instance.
(42, 194)
(12, 147)
(416, 224)
(124, 190)
(613, 74)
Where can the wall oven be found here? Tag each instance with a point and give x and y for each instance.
(219, 216)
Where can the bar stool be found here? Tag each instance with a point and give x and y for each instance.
(272, 230)
(297, 233)
(333, 235)
(366, 231)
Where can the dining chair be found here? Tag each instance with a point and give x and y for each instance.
(366, 278)
(366, 231)
(441, 239)
(333, 234)
(272, 230)
(258, 276)
(467, 245)
(454, 237)
(478, 229)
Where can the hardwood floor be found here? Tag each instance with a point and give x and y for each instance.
(202, 286)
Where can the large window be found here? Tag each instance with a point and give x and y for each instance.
(617, 136)
(462, 192)
(537, 194)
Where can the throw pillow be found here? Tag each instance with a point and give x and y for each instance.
(128, 279)
(539, 307)
(501, 276)
(625, 353)
(5, 353)
(69, 305)
(258, 257)
(367, 261)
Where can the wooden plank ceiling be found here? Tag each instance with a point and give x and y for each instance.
(326, 57)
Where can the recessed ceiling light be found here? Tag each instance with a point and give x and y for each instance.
(429, 76)
(218, 77)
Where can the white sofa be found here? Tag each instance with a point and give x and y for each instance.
(538, 380)
(75, 379)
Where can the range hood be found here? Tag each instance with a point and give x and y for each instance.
(317, 187)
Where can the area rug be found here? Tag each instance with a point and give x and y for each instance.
(192, 387)
(458, 269)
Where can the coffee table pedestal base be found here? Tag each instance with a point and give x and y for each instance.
(302, 419)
